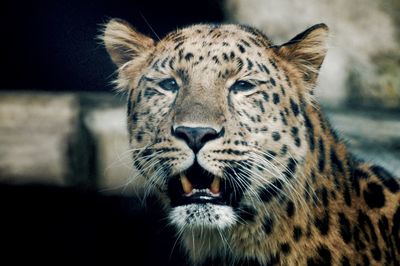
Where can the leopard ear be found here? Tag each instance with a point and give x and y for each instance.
(123, 42)
(307, 51)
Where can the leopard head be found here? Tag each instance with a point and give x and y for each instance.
(215, 116)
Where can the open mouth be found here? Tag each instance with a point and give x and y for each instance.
(197, 186)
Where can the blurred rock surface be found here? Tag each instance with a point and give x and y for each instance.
(36, 134)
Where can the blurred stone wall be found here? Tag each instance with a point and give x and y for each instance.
(363, 62)
(68, 139)
(35, 139)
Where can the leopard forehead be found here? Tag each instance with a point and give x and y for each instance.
(219, 34)
(216, 44)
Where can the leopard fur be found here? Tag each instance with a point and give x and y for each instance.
(297, 196)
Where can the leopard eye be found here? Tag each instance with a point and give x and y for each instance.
(169, 84)
(242, 85)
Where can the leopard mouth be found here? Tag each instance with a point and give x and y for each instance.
(197, 186)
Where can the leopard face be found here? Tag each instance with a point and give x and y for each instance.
(214, 119)
(225, 130)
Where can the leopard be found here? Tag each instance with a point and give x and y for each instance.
(226, 131)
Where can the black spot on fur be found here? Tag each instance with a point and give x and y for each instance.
(310, 132)
(383, 225)
(255, 41)
(139, 135)
(265, 69)
(321, 157)
(179, 44)
(360, 245)
(260, 105)
(345, 228)
(241, 48)
(368, 231)
(245, 43)
(283, 118)
(345, 261)
(231, 171)
(164, 62)
(246, 213)
(297, 141)
(290, 209)
(134, 118)
(253, 31)
(183, 74)
(376, 253)
(282, 90)
(346, 193)
(365, 260)
(139, 97)
(272, 62)
(324, 257)
(356, 176)
(265, 96)
(373, 195)
(271, 190)
(396, 228)
(171, 63)
(216, 60)
(290, 168)
(323, 223)
(285, 248)
(276, 136)
(387, 179)
(389, 238)
(180, 54)
(268, 225)
(275, 98)
(336, 163)
(272, 82)
(297, 233)
(239, 63)
(270, 155)
(129, 103)
(225, 57)
(249, 64)
(284, 149)
(295, 107)
(324, 196)
(188, 56)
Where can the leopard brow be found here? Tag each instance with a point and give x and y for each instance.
(148, 79)
(257, 81)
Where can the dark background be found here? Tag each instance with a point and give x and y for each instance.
(51, 45)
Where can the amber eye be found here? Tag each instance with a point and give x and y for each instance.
(169, 84)
(241, 85)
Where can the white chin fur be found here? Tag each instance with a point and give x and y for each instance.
(202, 215)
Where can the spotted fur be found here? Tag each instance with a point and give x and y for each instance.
(299, 197)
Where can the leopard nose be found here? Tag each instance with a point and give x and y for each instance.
(196, 137)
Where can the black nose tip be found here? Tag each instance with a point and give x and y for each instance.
(196, 137)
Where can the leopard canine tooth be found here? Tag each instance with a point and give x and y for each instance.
(186, 185)
(215, 185)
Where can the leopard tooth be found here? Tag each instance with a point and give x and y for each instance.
(215, 185)
(186, 185)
